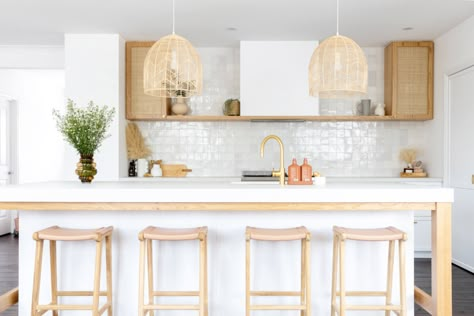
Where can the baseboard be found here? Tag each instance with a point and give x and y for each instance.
(463, 265)
(422, 254)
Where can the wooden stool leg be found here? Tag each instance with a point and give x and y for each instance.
(202, 302)
(98, 266)
(141, 280)
(54, 274)
(335, 250)
(403, 304)
(108, 262)
(342, 278)
(37, 277)
(151, 297)
(303, 276)
(388, 297)
(308, 274)
(206, 289)
(247, 276)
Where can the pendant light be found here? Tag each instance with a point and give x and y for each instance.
(338, 68)
(172, 67)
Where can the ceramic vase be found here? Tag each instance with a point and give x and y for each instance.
(180, 107)
(86, 168)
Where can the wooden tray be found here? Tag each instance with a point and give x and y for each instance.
(175, 171)
(413, 175)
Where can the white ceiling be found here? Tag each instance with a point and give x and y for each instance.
(206, 22)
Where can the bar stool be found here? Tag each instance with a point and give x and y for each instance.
(286, 234)
(146, 253)
(390, 234)
(55, 233)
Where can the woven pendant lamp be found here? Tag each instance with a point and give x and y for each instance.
(172, 68)
(338, 68)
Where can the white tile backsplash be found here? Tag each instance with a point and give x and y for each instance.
(333, 148)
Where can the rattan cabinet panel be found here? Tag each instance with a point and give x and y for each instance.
(409, 80)
(140, 106)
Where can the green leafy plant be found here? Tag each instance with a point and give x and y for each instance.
(85, 128)
(179, 86)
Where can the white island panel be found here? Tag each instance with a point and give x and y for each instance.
(275, 264)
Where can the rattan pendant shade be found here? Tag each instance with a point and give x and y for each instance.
(172, 68)
(338, 69)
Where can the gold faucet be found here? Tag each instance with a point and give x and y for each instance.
(281, 172)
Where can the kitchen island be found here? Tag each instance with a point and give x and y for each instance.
(226, 207)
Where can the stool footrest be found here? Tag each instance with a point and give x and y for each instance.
(176, 293)
(394, 308)
(277, 307)
(57, 307)
(80, 293)
(363, 293)
(171, 307)
(275, 293)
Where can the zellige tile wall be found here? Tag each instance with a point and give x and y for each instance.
(333, 148)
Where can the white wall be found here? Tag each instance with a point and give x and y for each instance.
(40, 147)
(94, 66)
(454, 50)
(32, 57)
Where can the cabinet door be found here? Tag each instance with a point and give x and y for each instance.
(274, 79)
(140, 106)
(409, 80)
(461, 164)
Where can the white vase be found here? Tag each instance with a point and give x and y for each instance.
(379, 109)
(180, 107)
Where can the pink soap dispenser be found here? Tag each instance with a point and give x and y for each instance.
(306, 172)
(294, 172)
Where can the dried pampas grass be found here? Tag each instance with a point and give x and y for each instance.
(408, 155)
(136, 147)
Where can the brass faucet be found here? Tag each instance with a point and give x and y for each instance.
(281, 172)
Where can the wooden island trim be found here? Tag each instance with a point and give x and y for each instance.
(438, 304)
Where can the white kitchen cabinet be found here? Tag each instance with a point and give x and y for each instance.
(422, 235)
(274, 78)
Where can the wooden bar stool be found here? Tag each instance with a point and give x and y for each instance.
(286, 234)
(55, 233)
(146, 253)
(390, 234)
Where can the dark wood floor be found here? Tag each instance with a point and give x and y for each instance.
(463, 281)
(8, 268)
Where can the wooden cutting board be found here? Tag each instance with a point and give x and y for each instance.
(175, 170)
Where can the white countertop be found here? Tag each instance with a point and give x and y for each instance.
(230, 190)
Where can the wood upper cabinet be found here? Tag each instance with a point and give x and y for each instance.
(140, 106)
(409, 80)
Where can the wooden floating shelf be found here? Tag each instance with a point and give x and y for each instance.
(323, 118)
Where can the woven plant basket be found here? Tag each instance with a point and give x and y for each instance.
(172, 67)
(338, 69)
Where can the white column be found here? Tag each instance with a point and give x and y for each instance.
(94, 69)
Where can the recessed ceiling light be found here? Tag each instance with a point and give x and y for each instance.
(409, 28)
(231, 29)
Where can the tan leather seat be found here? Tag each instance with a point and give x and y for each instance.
(72, 234)
(277, 234)
(370, 234)
(160, 233)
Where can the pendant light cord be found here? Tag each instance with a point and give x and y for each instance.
(337, 17)
(174, 16)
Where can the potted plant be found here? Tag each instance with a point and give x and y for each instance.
(85, 128)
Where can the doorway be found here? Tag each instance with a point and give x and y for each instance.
(7, 155)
